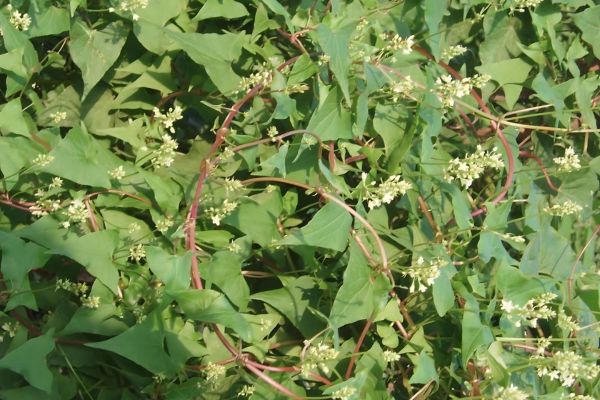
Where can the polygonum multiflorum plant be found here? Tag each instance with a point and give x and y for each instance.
(220, 199)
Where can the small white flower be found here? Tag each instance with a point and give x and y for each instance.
(391, 356)
(246, 391)
(272, 132)
(58, 116)
(56, 183)
(386, 192)
(117, 173)
(20, 21)
(77, 211)
(570, 162)
(137, 252)
(133, 227)
(263, 77)
(167, 120)
(234, 247)
(424, 273)
(567, 207)
(164, 156)
(163, 225)
(453, 51)
(471, 167)
(345, 393)
(214, 373)
(522, 5)
(42, 160)
(92, 302)
(512, 393)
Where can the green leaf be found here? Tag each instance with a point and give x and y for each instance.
(510, 75)
(12, 118)
(215, 53)
(434, 12)
(50, 22)
(335, 42)
(293, 300)
(331, 121)
(425, 369)
(589, 22)
(213, 307)
(257, 216)
(329, 228)
(443, 294)
(549, 253)
(95, 252)
(363, 293)
(18, 259)
(228, 9)
(143, 344)
(94, 52)
(501, 38)
(29, 360)
(225, 271)
(173, 270)
(81, 159)
(474, 334)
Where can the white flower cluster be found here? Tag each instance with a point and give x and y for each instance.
(272, 132)
(522, 5)
(167, 120)
(20, 21)
(345, 393)
(316, 356)
(117, 173)
(511, 393)
(164, 156)
(58, 116)
(386, 191)
(573, 396)
(80, 290)
(246, 391)
(232, 185)
(76, 213)
(471, 167)
(56, 183)
(567, 322)
(41, 160)
(394, 42)
(453, 51)
(137, 252)
(391, 356)
(567, 367)
(568, 207)
(263, 76)
(163, 225)
(214, 373)
(535, 309)
(216, 214)
(449, 89)
(296, 88)
(132, 6)
(424, 273)
(43, 206)
(401, 89)
(570, 162)
(8, 329)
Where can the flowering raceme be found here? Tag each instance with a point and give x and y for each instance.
(386, 191)
(424, 273)
(570, 161)
(449, 89)
(535, 309)
(471, 167)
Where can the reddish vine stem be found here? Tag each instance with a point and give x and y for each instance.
(361, 339)
(494, 124)
(527, 154)
(272, 382)
(425, 209)
(190, 225)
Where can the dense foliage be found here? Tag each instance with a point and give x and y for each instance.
(299, 199)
